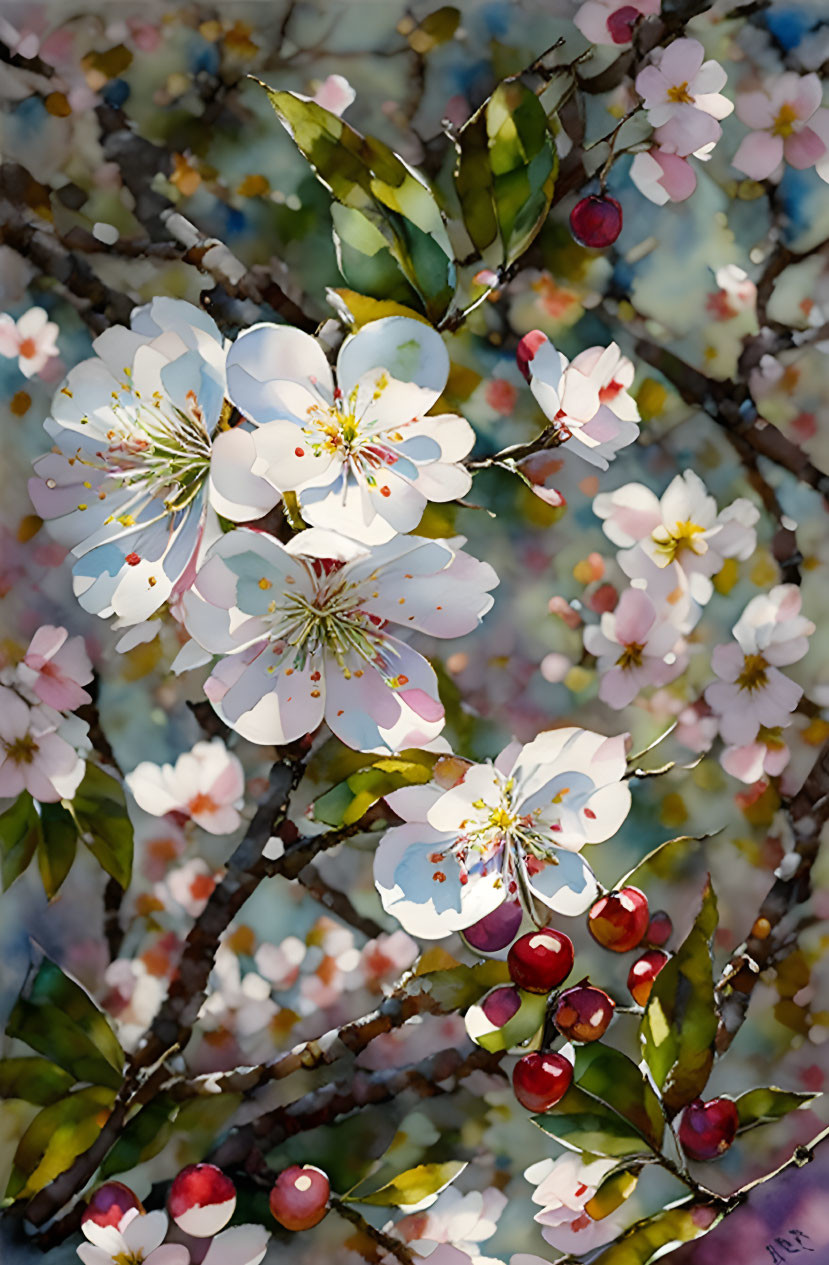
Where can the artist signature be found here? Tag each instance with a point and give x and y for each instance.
(793, 1242)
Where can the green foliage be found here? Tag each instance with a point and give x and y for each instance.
(413, 1186)
(617, 1091)
(505, 173)
(657, 1235)
(458, 987)
(142, 1137)
(760, 1106)
(19, 833)
(616, 1188)
(581, 1123)
(34, 1080)
(365, 176)
(61, 1021)
(524, 1024)
(56, 846)
(346, 802)
(680, 1022)
(58, 1134)
(100, 813)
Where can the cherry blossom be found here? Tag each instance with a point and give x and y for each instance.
(32, 340)
(611, 21)
(38, 750)
(240, 1245)
(363, 457)
(635, 647)
(461, 1222)
(563, 1189)
(672, 545)
(56, 667)
(787, 122)
(587, 398)
(335, 94)
(304, 633)
(767, 755)
(137, 1238)
(735, 293)
(512, 827)
(139, 457)
(662, 176)
(681, 94)
(752, 691)
(205, 784)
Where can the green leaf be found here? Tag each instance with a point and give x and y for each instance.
(617, 1083)
(505, 173)
(616, 1188)
(19, 833)
(55, 1137)
(60, 1020)
(367, 176)
(657, 1235)
(524, 1024)
(142, 1137)
(435, 29)
(100, 811)
(56, 846)
(413, 1186)
(459, 986)
(581, 1123)
(345, 803)
(365, 259)
(680, 1022)
(34, 1080)
(760, 1106)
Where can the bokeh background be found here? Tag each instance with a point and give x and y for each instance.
(179, 75)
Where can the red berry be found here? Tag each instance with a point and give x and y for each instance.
(541, 960)
(619, 921)
(527, 348)
(707, 1129)
(109, 1203)
(620, 23)
(299, 1198)
(201, 1200)
(660, 929)
(501, 1004)
(596, 221)
(496, 930)
(583, 1013)
(541, 1080)
(643, 972)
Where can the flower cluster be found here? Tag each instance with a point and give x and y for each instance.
(42, 745)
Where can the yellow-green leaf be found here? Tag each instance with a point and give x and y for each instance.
(55, 1137)
(345, 803)
(34, 1080)
(657, 1235)
(760, 1106)
(413, 1186)
(19, 833)
(582, 1123)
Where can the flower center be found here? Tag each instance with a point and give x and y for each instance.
(785, 122)
(331, 619)
(348, 429)
(27, 348)
(129, 1258)
(202, 803)
(21, 750)
(672, 542)
(754, 675)
(608, 393)
(771, 738)
(679, 94)
(631, 656)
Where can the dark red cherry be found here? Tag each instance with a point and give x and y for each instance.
(496, 930)
(707, 1129)
(619, 920)
(527, 348)
(660, 929)
(501, 1004)
(643, 972)
(299, 1198)
(109, 1203)
(202, 1200)
(541, 960)
(583, 1013)
(596, 221)
(541, 1080)
(621, 22)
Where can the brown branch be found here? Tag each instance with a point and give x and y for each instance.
(379, 1245)
(338, 902)
(808, 812)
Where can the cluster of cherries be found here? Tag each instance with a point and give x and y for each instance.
(540, 961)
(202, 1200)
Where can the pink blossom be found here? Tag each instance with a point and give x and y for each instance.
(735, 293)
(206, 784)
(787, 124)
(190, 885)
(32, 340)
(138, 1238)
(34, 755)
(611, 21)
(334, 94)
(681, 93)
(635, 646)
(56, 667)
(767, 755)
(563, 1189)
(662, 176)
(459, 1221)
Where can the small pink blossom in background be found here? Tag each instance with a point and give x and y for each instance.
(501, 396)
(56, 667)
(461, 1222)
(696, 728)
(735, 293)
(137, 1237)
(32, 340)
(34, 754)
(751, 691)
(554, 667)
(681, 94)
(663, 177)
(190, 886)
(611, 21)
(787, 123)
(767, 755)
(635, 646)
(206, 784)
(563, 1187)
(335, 94)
